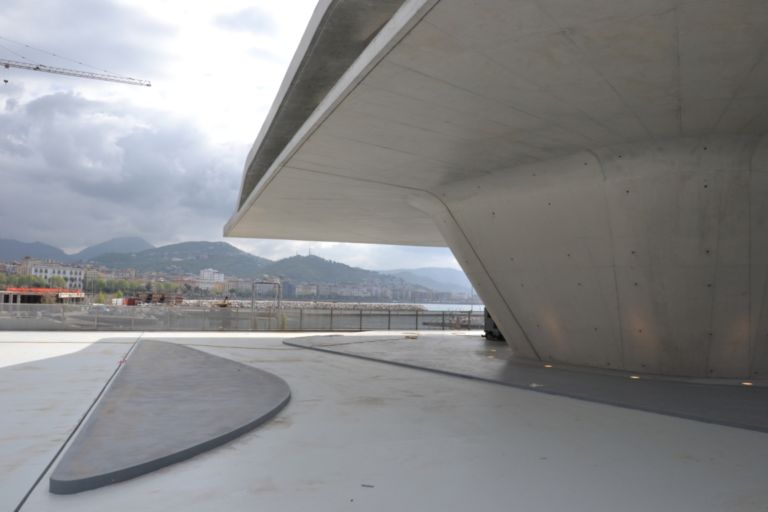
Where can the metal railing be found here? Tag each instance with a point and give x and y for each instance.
(60, 317)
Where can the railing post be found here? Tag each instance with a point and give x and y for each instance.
(417, 319)
(301, 319)
(442, 322)
(469, 319)
(331, 319)
(389, 319)
(361, 319)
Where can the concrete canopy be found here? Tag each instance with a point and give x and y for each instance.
(598, 167)
(453, 90)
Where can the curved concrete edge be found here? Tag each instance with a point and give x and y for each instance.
(401, 22)
(334, 38)
(167, 403)
(590, 382)
(86, 484)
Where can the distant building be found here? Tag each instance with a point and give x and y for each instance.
(305, 291)
(127, 273)
(235, 285)
(14, 295)
(210, 278)
(73, 276)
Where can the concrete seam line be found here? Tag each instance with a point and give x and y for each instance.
(79, 423)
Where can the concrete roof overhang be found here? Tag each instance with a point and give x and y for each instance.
(449, 90)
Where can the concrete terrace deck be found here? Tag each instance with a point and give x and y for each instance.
(375, 436)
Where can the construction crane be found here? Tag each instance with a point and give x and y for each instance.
(74, 72)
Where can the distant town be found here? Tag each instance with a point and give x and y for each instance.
(130, 271)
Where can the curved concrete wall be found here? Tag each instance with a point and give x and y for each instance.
(646, 255)
(651, 257)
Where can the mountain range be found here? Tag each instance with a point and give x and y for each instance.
(13, 250)
(191, 257)
(188, 258)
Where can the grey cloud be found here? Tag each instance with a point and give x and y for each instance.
(76, 172)
(248, 20)
(100, 33)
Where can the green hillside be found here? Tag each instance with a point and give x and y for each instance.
(313, 269)
(190, 258)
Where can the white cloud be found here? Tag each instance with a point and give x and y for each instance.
(82, 161)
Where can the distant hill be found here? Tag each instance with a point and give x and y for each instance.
(313, 269)
(12, 250)
(190, 258)
(124, 245)
(434, 278)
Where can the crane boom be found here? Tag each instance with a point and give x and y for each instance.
(74, 72)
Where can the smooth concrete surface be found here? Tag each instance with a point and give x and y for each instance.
(725, 402)
(377, 437)
(340, 31)
(167, 403)
(47, 382)
(647, 257)
(598, 168)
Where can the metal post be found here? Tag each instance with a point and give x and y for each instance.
(389, 319)
(417, 319)
(331, 319)
(442, 322)
(254, 320)
(469, 319)
(253, 297)
(361, 319)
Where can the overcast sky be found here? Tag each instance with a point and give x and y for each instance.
(82, 161)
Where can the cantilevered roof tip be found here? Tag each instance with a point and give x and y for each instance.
(337, 34)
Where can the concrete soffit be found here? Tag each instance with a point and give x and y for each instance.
(406, 17)
(338, 32)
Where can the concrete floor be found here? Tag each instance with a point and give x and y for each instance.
(730, 402)
(372, 436)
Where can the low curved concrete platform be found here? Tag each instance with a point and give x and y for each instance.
(724, 402)
(168, 403)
